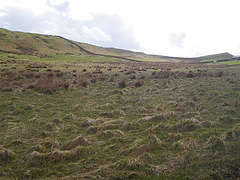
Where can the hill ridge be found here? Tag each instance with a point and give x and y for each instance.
(33, 43)
(91, 53)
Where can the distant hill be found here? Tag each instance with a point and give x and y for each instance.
(216, 57)
(37, 44)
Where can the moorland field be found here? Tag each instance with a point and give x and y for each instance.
(68, 114)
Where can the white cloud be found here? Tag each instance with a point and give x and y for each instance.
(2, 13)
(157, 25)
(57, 2)
(38, 7)
(95, 33)
(48, 27)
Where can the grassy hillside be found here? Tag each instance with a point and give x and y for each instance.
(28, 43)
(216, 57)
(37, 44)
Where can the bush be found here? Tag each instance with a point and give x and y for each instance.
(122, 84)
(49, 85)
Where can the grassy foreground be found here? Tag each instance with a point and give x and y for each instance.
(87, 117)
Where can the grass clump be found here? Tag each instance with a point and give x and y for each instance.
(122, 84)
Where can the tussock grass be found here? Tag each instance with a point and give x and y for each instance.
(64, 117)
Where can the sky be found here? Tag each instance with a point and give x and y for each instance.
(182, 28)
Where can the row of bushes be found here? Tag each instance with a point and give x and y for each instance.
(52, 81)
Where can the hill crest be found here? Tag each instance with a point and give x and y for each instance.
(38, 44)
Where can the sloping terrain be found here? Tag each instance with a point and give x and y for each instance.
(67, 112)
(216, 57)
(27, 43)
(40, 45)
(89, 117)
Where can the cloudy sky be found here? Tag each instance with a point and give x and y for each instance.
(186, 28)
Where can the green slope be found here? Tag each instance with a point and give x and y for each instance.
(28, 43)
(35, 44)
(216, 57)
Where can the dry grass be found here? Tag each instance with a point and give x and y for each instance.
(118, 120)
